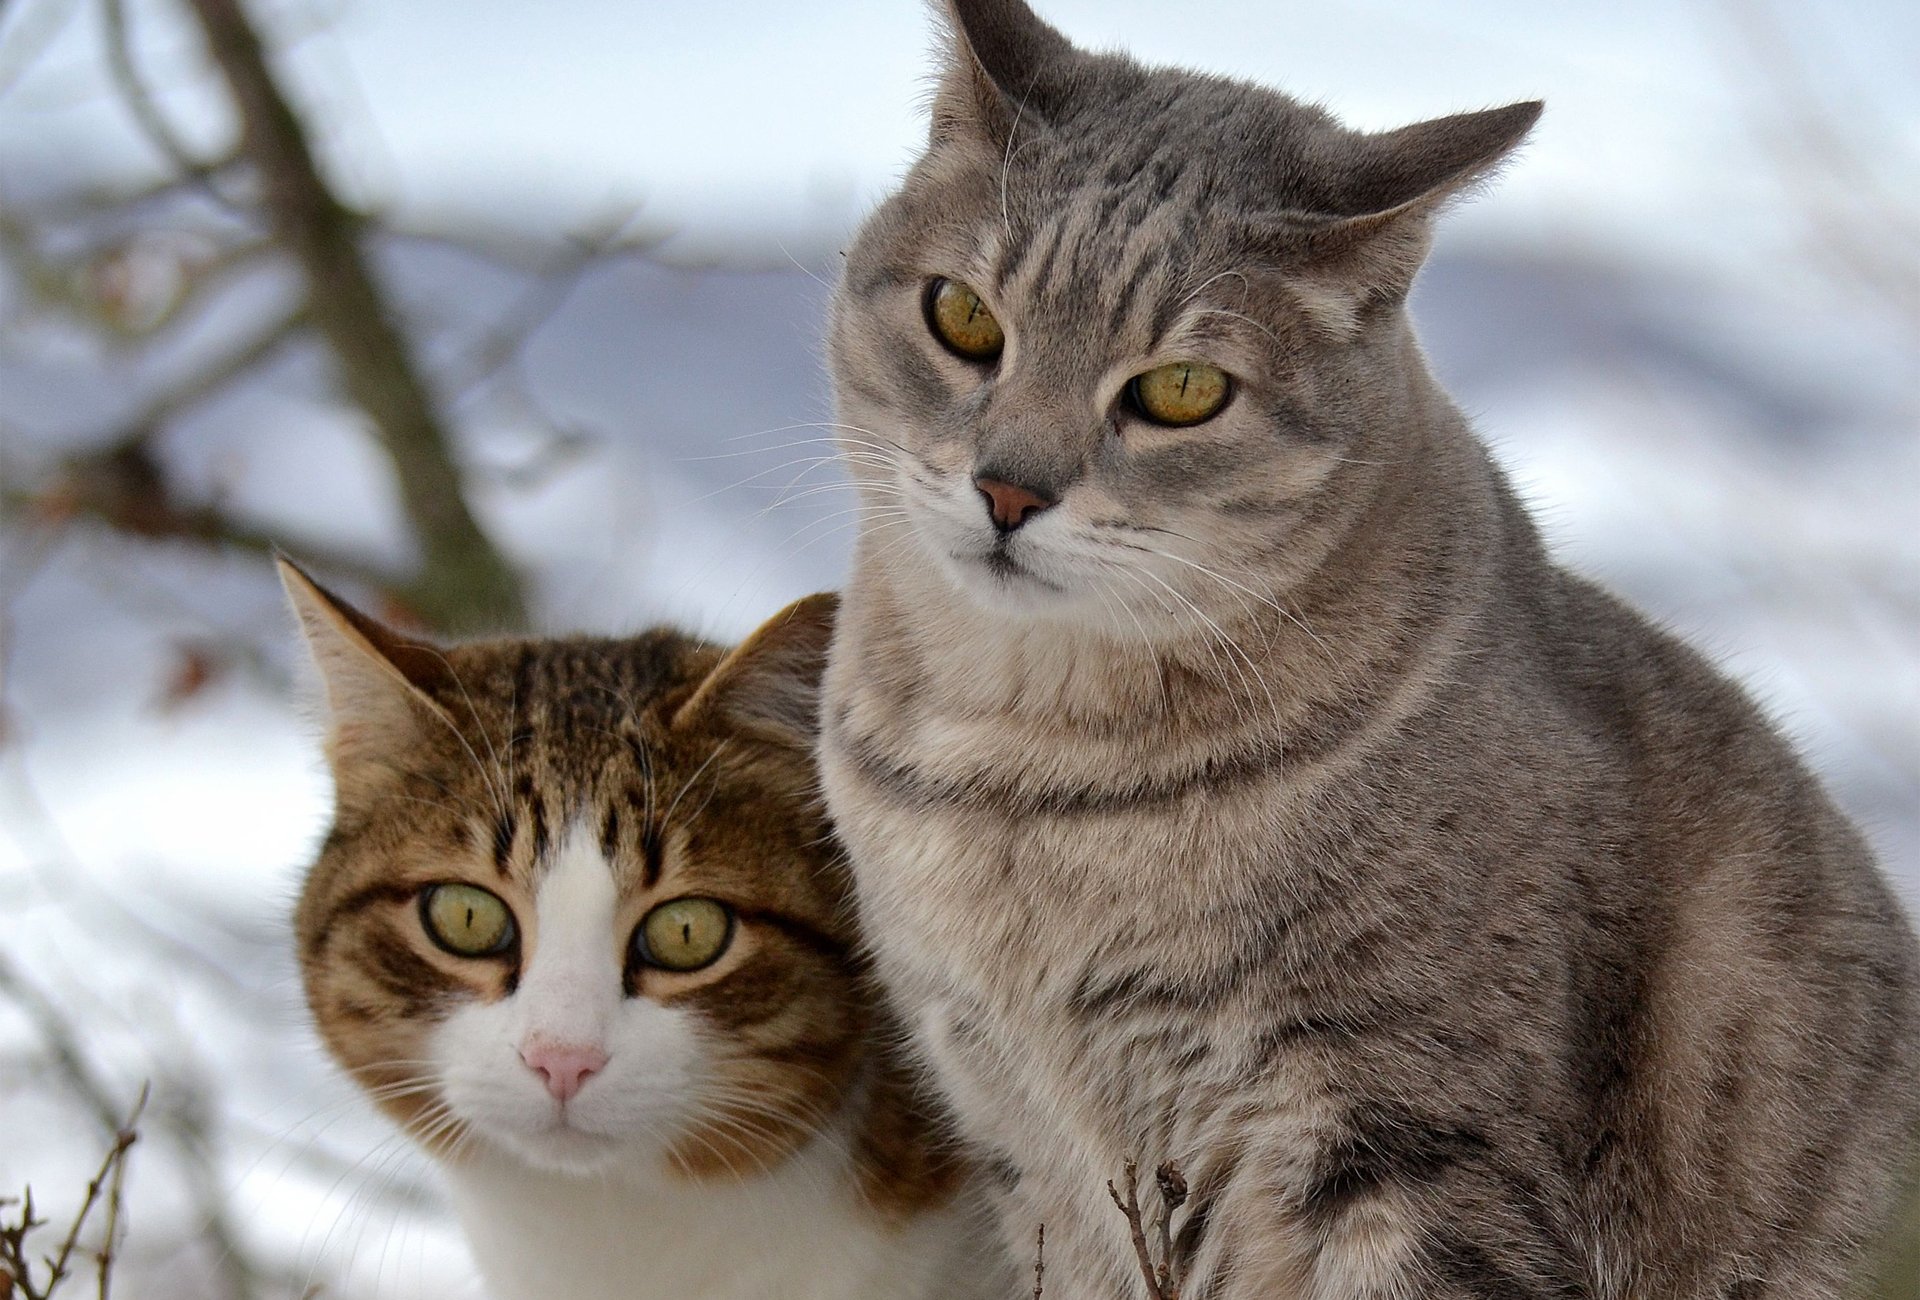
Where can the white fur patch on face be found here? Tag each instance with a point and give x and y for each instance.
(571, 995)
(1032, 571)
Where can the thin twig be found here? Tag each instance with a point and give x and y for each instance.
(123, 1141)
(197, 388)
(1039, 1261)
(1130, 1208)
(115, 1198)
(16, 1266)
(69, 1058)
(140, 102)
(1162, 1277)
(128, 488)
(16, 1269)
(554, 284)
(1173, 1194)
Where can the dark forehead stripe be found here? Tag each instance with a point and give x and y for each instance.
(1083, 236)
(1023, 242)
(610, 831)
(640, 808)
(505, 830)
(585, 690)
(1150, 260)
(537, 809)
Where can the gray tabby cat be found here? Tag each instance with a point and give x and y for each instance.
(1232, 778)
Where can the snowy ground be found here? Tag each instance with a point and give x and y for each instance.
(1700, 415)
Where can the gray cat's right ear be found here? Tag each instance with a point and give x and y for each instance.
(1003, 63)
(376, 682)
(1383, 190)
(769, 684)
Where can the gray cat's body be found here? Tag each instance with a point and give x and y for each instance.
(1254, 793)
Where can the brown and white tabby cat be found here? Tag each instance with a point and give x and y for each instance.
(1232, 778)
(581, 927)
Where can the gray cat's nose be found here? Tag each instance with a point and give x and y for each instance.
(1009, 504)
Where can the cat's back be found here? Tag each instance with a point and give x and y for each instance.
(1718, 793)
(1775, 988)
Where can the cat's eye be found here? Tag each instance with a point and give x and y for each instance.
(683, 935)
(1183, 393)
(961, 321)
(467, 921)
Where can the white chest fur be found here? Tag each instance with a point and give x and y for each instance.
(798, 1233)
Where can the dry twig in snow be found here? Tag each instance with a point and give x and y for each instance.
(17, 1271)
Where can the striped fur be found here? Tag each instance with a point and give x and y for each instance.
(1273, 804)
(751, 1131)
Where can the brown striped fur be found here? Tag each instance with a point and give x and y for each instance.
(689, 765)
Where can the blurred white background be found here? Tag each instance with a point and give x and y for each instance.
(1687, 317)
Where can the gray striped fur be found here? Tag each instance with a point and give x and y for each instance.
(1274, 804)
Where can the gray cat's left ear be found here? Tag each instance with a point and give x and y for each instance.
(769, 684)
(1381, 192)
(1003, 64)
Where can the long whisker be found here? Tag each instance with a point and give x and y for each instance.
(1246, 668)
(693, 780)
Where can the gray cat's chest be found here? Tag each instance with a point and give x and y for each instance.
(1058, 968)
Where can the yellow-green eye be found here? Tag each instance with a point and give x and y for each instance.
(685, 934)
(466, 921)
(1184, 392)
(961, 321)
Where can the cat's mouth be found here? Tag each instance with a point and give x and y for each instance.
(997, 578)
(999, 562)
(1003, 565)
(563, 1143)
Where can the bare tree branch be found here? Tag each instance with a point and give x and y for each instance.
(126, 487)
(196, 388)
(140, 102)
(70, 282)
(466, 582)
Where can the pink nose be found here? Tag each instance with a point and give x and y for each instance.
(1009, 504)
(565, 1067)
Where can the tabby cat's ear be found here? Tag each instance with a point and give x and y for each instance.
(377, 683)
(1003, 63)
(769, 685)
(1385, 188)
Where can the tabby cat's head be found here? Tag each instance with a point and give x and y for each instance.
(1130, 339)
(579, 901)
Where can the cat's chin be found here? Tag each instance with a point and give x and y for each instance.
(1001, 585)
(572, 1152)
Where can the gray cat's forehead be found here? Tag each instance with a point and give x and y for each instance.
(1116, 124)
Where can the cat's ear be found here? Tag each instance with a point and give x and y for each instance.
(769, 685)
(377, 683)
(1386, 187)
(1003, 63)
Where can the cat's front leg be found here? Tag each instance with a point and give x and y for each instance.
(1384, 1258)
(1417, 1222)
